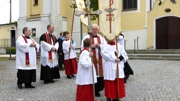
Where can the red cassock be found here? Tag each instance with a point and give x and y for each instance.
(84, 93)
(70, 66)
(111, 88)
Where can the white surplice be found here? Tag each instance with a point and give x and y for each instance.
(103, 42)
(85, 67)
(110, 66)
(21, 49)
(66, 45)
(45, 48)
(121, 40)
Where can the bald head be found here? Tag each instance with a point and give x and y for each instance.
(95, 29)
(95, 26)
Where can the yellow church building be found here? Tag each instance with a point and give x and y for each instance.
(146, 24)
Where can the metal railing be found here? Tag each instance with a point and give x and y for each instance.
(5, 43)
(7, 47)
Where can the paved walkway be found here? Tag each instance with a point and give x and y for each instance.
(153, 81)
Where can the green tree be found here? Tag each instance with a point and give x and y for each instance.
(94, 5)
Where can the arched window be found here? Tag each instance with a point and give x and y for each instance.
(130, 4)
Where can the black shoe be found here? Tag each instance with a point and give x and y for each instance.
(72, 75)
(97, 94)
(46, 82)
(116, 100)
(20, 86)
(30, 86)
(108, 99)
(51, 81)
(68, 76)
(125, 80)
(61, 69)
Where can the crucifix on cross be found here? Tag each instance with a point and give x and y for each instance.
(88, 12)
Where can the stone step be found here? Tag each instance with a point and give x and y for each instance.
(155, 56)
(158, 51)
(148, 54)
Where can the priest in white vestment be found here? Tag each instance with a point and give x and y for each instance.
(86, 75)
(111, 78)
(26, 59)
(96, 41)
(70, 63)
(49, 60)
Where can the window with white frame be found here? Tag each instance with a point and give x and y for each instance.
(33, 32)
(130, 5)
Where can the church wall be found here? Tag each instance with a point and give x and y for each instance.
(134, 24)
(34, 11)
(37, 25)
(158, 12)
(130, 36)
(135, 20)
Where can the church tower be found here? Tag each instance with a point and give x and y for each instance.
(37, 14)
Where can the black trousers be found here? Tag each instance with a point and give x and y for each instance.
(99, 86)
(48, 73)
(60, 60)
(26, 76)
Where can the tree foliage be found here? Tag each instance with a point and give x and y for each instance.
(94, 6)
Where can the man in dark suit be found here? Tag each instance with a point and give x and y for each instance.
(60, 51)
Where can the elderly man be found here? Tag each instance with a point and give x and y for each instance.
(96, 41)
(26, 59)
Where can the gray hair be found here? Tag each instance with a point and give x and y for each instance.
(95, 25)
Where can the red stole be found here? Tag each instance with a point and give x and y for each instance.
(27, 54)
(111, 43)
(99, 61)
(49, 41)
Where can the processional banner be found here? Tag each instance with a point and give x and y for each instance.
(110, 19)
(80, 7)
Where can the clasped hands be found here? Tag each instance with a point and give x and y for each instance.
(95, 45)
(91, 54)
(53, 49)
(32, 45)
(117, 52)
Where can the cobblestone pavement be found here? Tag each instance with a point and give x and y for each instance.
(152, 81)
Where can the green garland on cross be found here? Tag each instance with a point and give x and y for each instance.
(94, 5)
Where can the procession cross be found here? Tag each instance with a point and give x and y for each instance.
(88, 12)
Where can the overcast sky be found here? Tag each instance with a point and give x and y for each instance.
(5, 11)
